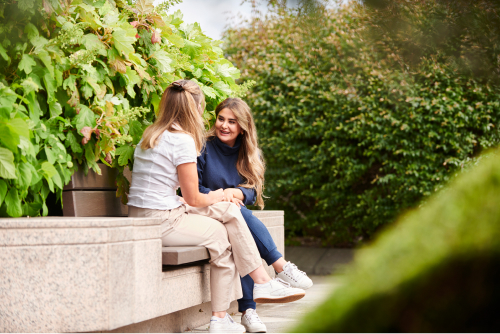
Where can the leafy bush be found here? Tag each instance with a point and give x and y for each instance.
(81, 80)
(353, 133)
(435, 270)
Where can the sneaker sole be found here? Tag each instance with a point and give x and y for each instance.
(225, 331)
(280, 300)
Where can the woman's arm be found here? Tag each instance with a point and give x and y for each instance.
(188, 180)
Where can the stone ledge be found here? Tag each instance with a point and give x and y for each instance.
(67, 274)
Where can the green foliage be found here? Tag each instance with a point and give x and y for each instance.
(435, 270)
(351, 133)
(81, 80)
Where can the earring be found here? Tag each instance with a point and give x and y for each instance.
(241, 132)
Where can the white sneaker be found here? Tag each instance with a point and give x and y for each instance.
(276, 291)
(297, 278)
(225, 325)
(252, 322)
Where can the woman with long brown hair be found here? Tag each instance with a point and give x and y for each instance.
(233, 161)
(165, 159)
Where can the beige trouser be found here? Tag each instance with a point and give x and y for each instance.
(230, 244)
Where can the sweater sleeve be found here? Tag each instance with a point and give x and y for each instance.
(200, 166)
(250, 195)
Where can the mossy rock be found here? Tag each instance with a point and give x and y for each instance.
(436, 270)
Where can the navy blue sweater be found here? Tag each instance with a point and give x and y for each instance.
(217, 169)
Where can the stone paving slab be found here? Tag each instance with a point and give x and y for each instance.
(319, 261)
(280, 318)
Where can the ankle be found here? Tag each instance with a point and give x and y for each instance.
(262, 280)
(279, 264)
(220, 315)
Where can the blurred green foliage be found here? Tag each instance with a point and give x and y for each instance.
(80, 80)
(354, 125)
(436, 270)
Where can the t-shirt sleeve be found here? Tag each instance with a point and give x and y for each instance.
(184, 150)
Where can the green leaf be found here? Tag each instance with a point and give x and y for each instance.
(228, 71)
(163, 61)
(175, 39)
(126, 153)
(73, 143)
(3, 190)
(47, 61)
(13, 203)
(4, 54)
(223, 87)
(191, 48)
(7, 100)
(86, 117)
(57, 180)
(123, 38)
(10, 132)
(209, 91)
(51, 157)
(26, 64)
(25, 171)
(70, 82)
(48, 169)
(31, 31)
(136, 131)
(55, 109)
(50, 85)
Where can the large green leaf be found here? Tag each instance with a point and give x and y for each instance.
(86, 117)
(163, 61)
(73, 143)
(13, 203)
(48, 169)
(123, 38)
(25, 171)
(126, 153)
(191, 48)
(26, 64)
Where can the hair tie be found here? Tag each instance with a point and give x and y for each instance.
(177, 86)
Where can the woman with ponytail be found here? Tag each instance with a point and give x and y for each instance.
(165, 159)
(233, 161)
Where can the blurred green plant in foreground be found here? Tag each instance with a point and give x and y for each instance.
(435, 270)
(361, 118)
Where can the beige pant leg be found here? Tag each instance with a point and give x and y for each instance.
(196, 230)
(245, 252)
(182, 229)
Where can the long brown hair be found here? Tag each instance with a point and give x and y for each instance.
(250, 164)
(178, 112)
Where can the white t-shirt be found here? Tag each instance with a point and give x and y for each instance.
(154, 177)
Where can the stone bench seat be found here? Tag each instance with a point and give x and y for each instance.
(181, 255)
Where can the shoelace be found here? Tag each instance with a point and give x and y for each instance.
(253, 316)
(291, 271)
(282, 282)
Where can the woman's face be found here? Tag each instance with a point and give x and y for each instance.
(227, 128)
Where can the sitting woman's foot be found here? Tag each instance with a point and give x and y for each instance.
(225, 325)
(276, 291)
(252, 322)
(297, 278)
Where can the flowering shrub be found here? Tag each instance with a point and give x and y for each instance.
(353, 130)
(81, 80)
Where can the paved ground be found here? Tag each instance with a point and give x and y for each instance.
(281, 317)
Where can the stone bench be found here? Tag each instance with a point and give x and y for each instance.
(93, 274)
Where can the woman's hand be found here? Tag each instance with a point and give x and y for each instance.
(216, 196)
(232, 194)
